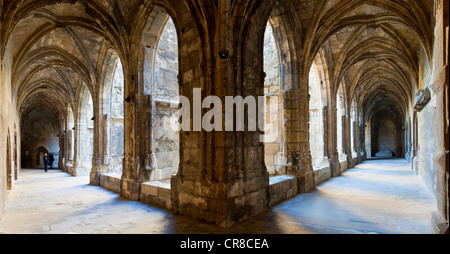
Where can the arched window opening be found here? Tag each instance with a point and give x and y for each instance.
(113, 122)
(316, 121)
(165, 133)
(85, 135)
(275, 154)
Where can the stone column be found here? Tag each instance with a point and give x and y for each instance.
(333, 154)
(96, 157)
(325, 131)
(222, 178)
(348, 140)
(100, 160)
(362, 141)
(358, 138)
(136, 168)
(69, 150)
(297, 139)
(105, 142)
(62, 151)
(81, 163)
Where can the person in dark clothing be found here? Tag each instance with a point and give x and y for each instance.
(46, 161)
(51, 159)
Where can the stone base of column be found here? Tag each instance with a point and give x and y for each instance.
(439, 224)
(230, 203)
(187, 200)
(130, 189)
(94, 178)
(68, 167)
(306, 182)
(335, 167)
(96, 172)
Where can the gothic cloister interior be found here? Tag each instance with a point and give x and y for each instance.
(99, 84)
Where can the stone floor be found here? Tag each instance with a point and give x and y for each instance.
(378, 196)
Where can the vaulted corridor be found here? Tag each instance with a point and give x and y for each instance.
(376, 197)
(245, 115)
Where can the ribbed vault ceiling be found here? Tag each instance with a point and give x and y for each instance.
(373, 47)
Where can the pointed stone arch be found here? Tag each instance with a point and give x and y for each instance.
(111, 116)
(84, 133)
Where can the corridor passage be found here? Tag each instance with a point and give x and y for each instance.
(378, 196)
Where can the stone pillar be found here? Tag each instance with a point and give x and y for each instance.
(62, 149)
(440, 100)
(70, 145)
(222, 178)
(69, 151)
(325, 131)
(333, 154)
(440, 156)
(96, 157)
(136, 166)
(198, 191)
(105, 141)
(348, 140)
(100, 158)
(297, 139)
(358, 138)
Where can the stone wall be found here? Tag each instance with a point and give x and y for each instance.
(432, 154)
(9, 128)
(110, 181)
(282, 188)
(385, 136)
(157, 193)
(428, 142)
(322, 175)
(166, 141)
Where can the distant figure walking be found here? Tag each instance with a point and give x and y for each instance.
(51, 160)
(46, 160)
